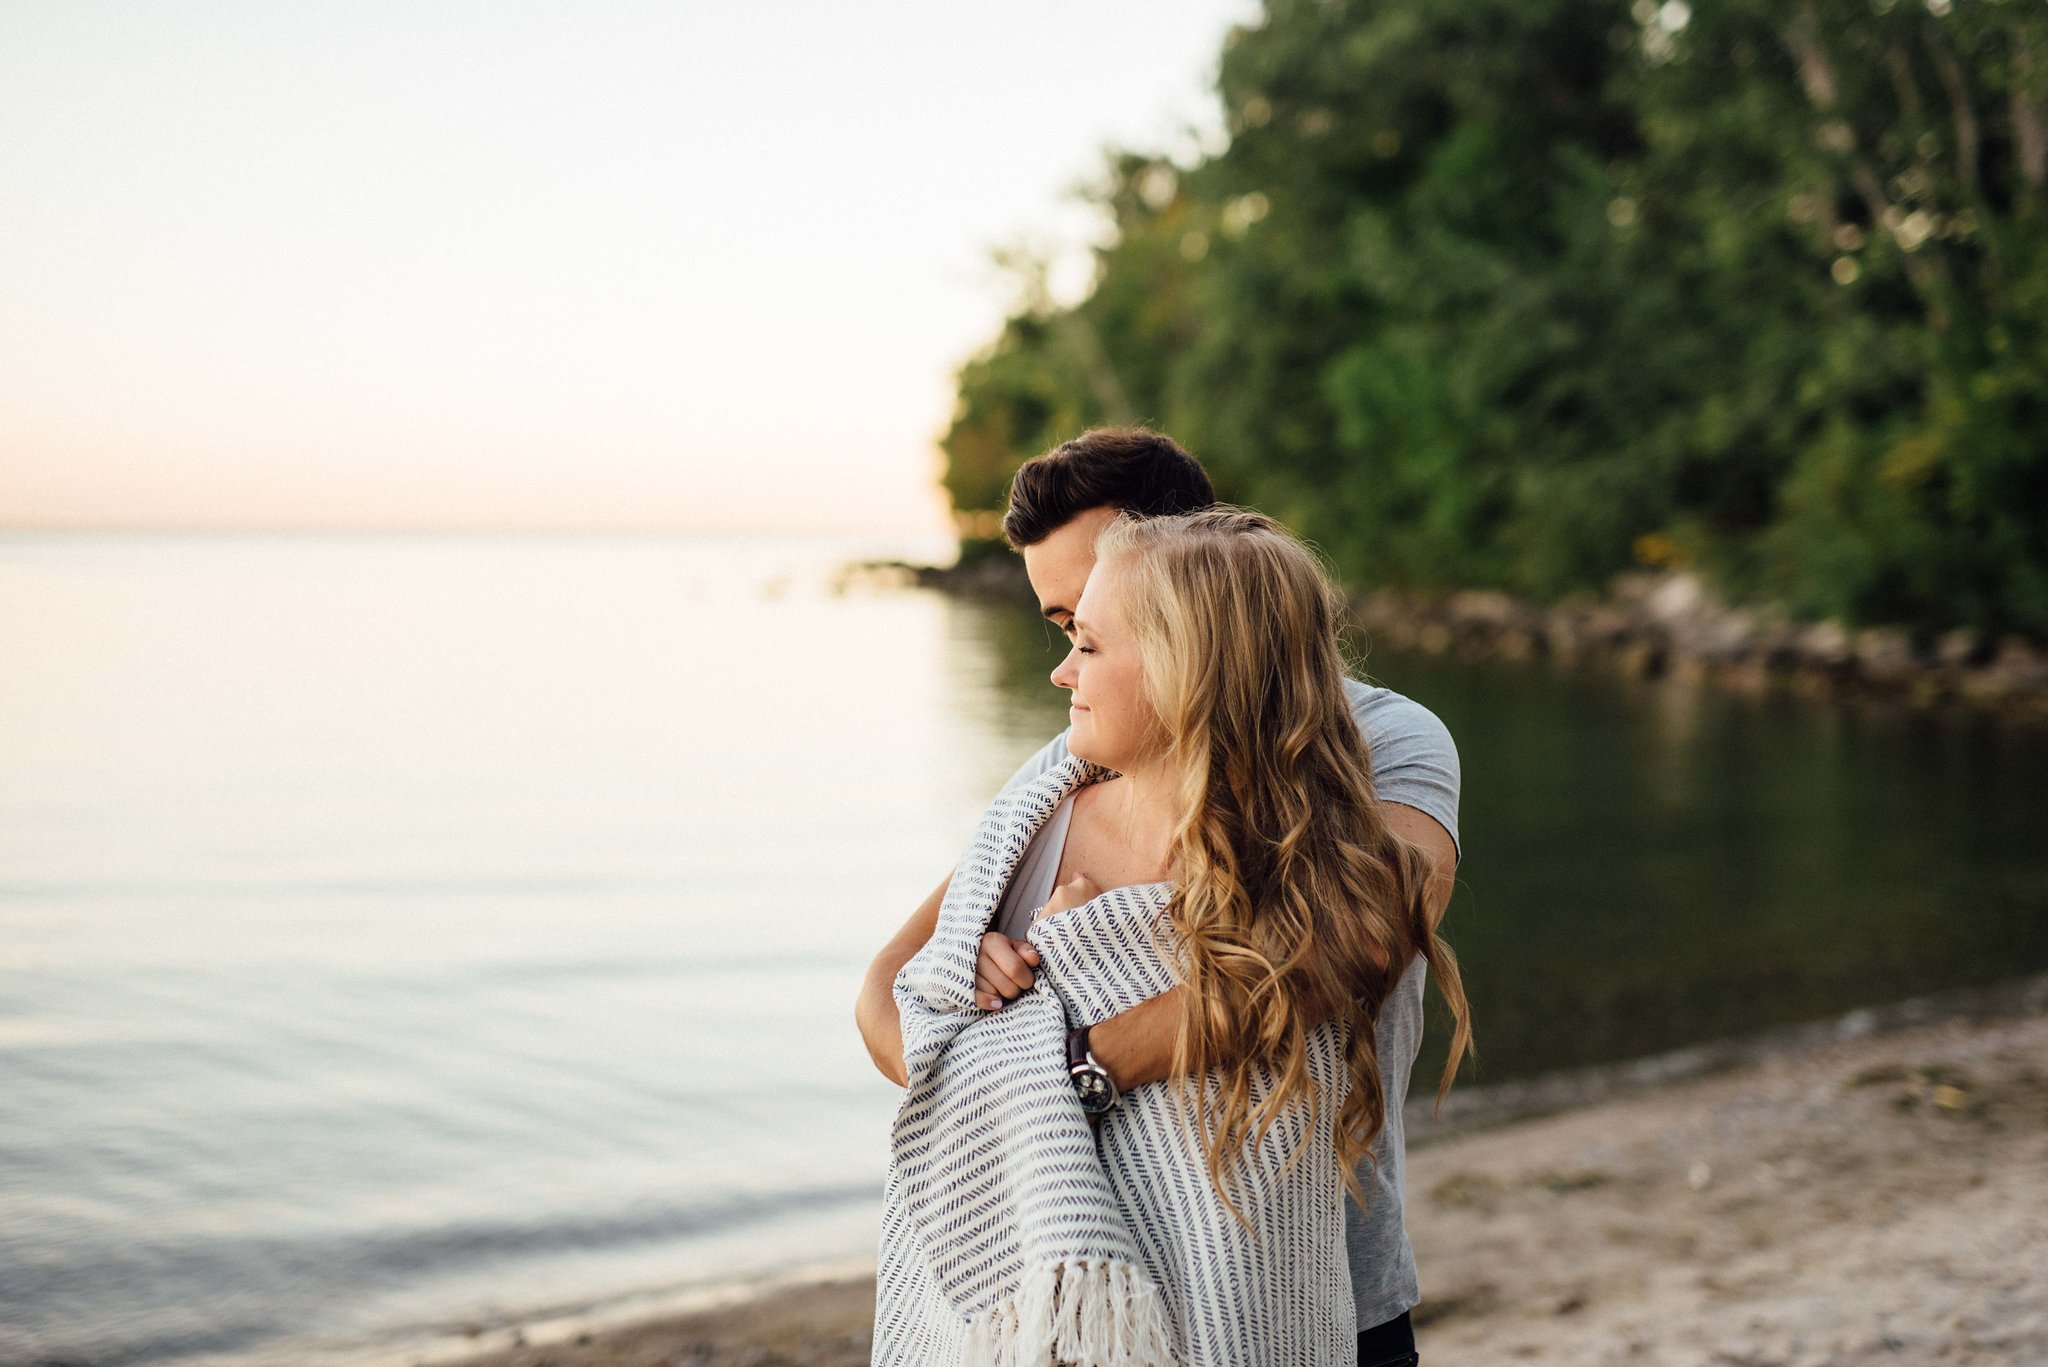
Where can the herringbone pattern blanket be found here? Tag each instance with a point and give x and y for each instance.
(1013, 1236)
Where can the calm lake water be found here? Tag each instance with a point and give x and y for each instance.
(403, 934)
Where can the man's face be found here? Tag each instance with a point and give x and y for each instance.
(1058, 566)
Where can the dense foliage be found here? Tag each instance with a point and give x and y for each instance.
(1521, 293)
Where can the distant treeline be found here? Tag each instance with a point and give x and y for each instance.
(1524, 293)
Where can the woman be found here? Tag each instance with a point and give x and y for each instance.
(1220, 791)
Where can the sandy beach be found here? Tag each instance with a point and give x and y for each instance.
(1880, 1197)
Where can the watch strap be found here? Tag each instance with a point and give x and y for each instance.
(1077, 1047)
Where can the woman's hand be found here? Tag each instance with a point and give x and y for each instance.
(1002, 971)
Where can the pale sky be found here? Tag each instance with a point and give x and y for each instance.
(593, 264)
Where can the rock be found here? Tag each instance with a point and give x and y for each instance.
(2017, 671)
(1383, 607)
(1959, 649)
(1398, 634)
(1885, 655)
(1516, 644)
(997, 577)
(1985, 686)
(1608, 625)
(2022, 663)
(1679, 598)
(1481, 607)
(1827, 644)
(1564, 636)
(1725, 636)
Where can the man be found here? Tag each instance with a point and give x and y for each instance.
(1058, 502)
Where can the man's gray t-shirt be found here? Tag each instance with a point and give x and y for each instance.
(1415, 764)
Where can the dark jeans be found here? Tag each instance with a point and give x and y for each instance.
(1389, 1345)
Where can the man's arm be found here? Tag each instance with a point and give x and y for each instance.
(1439, 851)
(1136, 1047)
(875, 1009)
(881, 1028)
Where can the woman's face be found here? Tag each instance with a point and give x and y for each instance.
(1114, 724)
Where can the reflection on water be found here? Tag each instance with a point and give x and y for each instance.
(1649, 867)
(402, 932)
(1018, 649)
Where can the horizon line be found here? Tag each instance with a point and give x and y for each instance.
(449, 529)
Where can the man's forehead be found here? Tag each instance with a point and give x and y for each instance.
(1060, 564)
(1063, 598)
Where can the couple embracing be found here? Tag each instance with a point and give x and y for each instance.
(1156, 1027)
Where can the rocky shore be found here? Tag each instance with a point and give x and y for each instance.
(1873, 1189)
(1650, 626)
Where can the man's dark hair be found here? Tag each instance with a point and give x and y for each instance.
(1127, 468)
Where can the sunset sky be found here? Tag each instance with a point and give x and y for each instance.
(510, 264)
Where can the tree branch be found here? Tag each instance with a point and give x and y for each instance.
(1904, 86)
(2027, 128)
(1817, 75)
(1960, 111)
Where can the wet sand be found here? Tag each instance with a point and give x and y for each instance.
(1879, 1198)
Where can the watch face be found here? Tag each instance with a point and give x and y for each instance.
(1095, 1091)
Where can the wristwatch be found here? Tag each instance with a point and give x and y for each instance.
(1092, 1082)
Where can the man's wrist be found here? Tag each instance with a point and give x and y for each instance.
(1136, 1046)
(1105, 1053)
(1092, 1083)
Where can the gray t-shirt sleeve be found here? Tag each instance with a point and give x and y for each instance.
(1050, 755)
(1414, 761)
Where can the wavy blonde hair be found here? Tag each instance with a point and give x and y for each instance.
(1293, 901)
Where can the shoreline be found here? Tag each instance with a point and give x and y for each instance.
(1810, 1197)
(822, 1292)
(1649, 626)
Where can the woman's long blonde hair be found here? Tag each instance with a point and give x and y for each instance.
(1293, 902)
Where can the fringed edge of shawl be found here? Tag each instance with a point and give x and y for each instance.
(1084, 1312)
